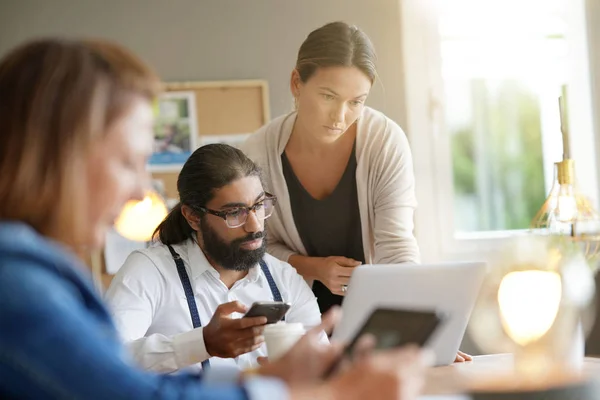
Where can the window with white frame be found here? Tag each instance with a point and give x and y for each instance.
(503, 67)
(487, 133)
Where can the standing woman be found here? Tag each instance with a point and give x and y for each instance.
(342, 171)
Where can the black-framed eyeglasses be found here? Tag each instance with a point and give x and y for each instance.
(236, 217)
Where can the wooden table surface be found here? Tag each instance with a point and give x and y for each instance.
(455, 378)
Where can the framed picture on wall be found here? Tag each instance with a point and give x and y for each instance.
(226, 112)
(175, 131)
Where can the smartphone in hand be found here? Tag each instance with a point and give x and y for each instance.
(395, 328)
(273, 310)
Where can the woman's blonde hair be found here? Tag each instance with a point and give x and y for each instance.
(56, 98)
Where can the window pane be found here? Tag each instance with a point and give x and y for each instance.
(503, 70)
(497, 155)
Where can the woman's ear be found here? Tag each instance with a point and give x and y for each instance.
(191, 217)
(295, 82)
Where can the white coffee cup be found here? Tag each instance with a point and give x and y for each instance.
(281, 337)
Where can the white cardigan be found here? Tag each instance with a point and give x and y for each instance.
(385, 185)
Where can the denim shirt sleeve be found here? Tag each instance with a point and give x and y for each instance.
(257, 388)
(56, 341)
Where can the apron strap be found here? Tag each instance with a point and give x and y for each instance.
(189, 295)
(274, 290)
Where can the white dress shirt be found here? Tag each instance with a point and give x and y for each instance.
(149, 306)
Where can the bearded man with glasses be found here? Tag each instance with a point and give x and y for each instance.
(178, 303)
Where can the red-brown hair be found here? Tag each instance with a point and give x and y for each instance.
(56, 98)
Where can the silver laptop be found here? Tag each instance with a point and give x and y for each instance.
(449, 288)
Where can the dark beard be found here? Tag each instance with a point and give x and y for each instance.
(229, 255)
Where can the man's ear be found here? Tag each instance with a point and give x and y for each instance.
(191, 217)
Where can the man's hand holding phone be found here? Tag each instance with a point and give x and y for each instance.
(228, 337)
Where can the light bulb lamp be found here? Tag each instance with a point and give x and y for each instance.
(139, 219)
(539, 294)
(566, 210)
(531, 305)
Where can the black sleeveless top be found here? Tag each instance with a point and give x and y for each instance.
(328, 227)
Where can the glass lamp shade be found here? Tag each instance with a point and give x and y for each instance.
(533, 302)
(139, 219)
(568, 212)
